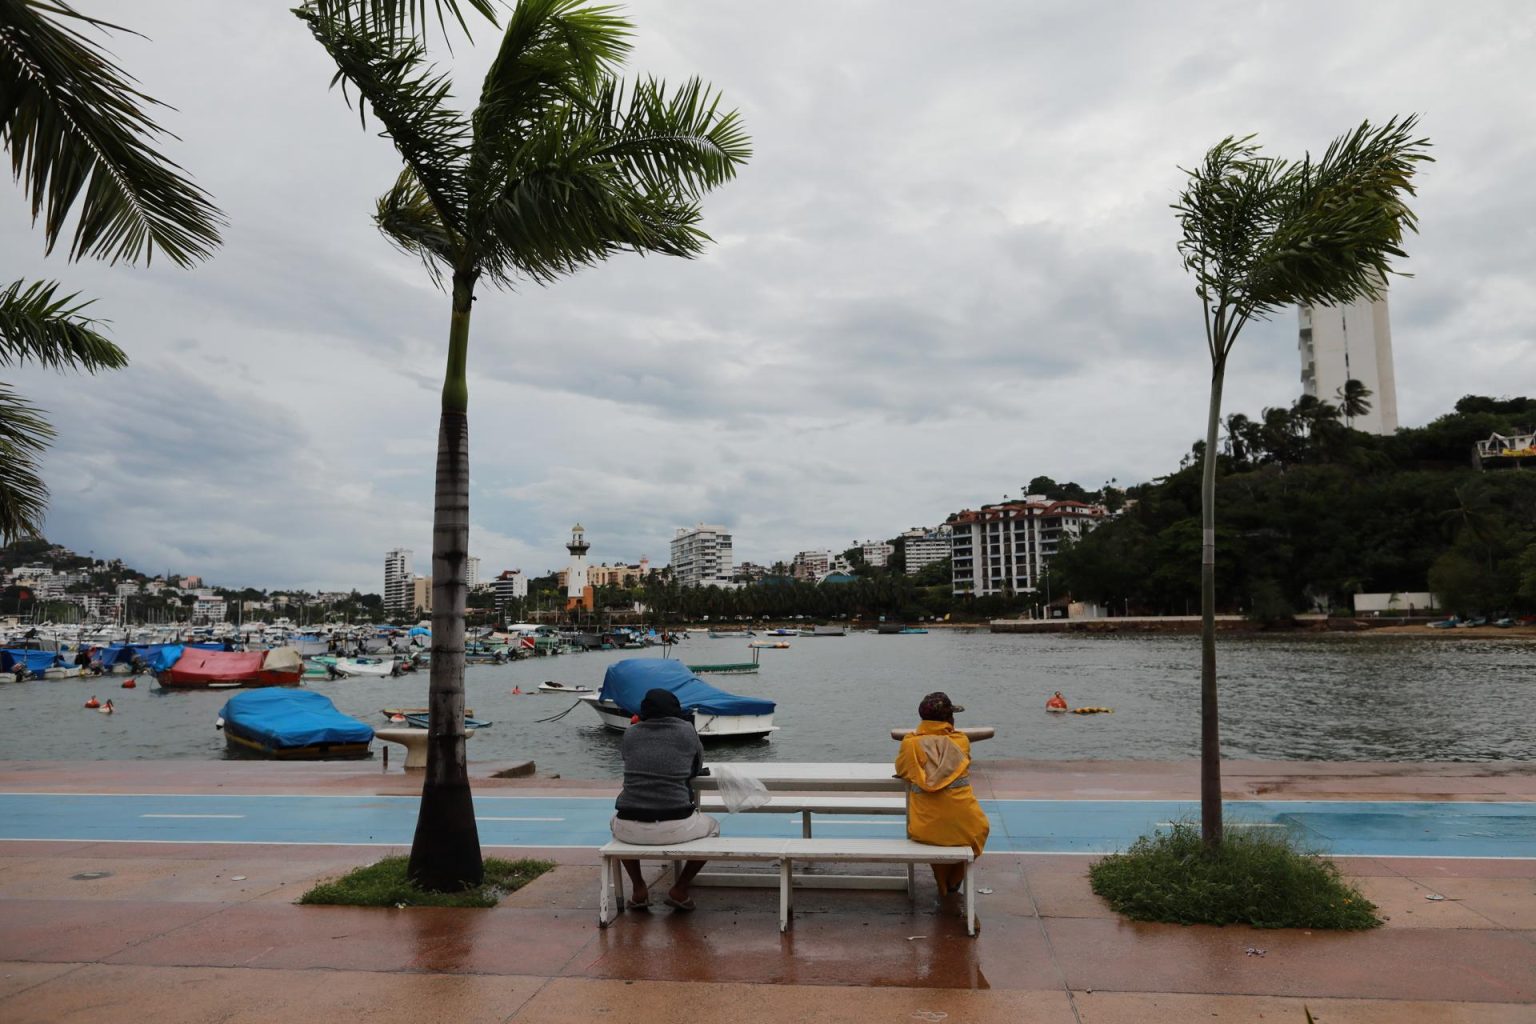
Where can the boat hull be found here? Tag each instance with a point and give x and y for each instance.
(709, 727)
(240, 743)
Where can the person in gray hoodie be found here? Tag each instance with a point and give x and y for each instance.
(661, 754)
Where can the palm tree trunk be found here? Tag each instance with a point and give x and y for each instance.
(1210, 737)
(445, 853)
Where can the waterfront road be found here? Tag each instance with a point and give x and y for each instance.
(1344, 828)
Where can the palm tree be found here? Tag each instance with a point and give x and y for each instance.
(1260, 233)
(558, 167)
(81, 145)
(1354, 400)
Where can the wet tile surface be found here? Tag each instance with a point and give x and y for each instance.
(88, 930)
(99, 994)
(16, 977)
(1485, 966)
(579, 1001)
(1169, 1008)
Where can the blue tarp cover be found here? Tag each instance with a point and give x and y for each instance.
(626, 683)
(292, 718)
(164, 656)
(36, 661)
(119, 654)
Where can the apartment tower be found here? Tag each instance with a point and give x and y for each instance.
(1353, 342)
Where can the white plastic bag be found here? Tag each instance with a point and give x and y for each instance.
(740, 792)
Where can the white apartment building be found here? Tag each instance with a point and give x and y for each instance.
(1340, 343)
(209, 608)
(924, 547)
(399, 582)
(876, 553)
(510, 585)
(1008, 547)
(472, 572)
(701, 556)
(810, 565)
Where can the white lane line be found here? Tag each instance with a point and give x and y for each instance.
(191, 815)
(518, 819)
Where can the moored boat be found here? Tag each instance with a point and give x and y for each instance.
(292, 724)
(553, 687)
(716, 713)
(199, 668)
(374, 667)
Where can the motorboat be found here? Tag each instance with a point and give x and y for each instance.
(769, 645)
(365, 666)
(825, 631)
(554, 687)
(291, 725)
(716, 714)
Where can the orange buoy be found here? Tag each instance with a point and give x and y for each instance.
(397, 718)
(130, 684)
(1056, 703)
(93, 703)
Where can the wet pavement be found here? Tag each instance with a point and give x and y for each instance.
(189, 931)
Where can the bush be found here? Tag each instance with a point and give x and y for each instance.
(385, 885)
(1257, 877)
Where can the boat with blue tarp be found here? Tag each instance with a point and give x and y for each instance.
(716, 713)
(292, 724)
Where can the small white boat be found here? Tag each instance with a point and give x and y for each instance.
(554, 687)
(717, 715)
(374, 667)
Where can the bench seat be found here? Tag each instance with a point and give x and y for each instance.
(786, 852)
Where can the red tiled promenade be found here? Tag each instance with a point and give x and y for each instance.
(193, 933)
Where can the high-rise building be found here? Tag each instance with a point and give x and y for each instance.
(922, 548)
(471, 572)
(399, 579)
(1353, 342)
(510, 585)
(811, 565)
(1008, 547)
(701, 556)
(421, 595)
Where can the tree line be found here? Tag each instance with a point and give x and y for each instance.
(1313, 512)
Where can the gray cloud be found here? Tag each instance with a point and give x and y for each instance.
(949, 267)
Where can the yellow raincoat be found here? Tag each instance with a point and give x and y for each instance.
(941, 808)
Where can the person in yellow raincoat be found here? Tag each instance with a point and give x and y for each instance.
(941, 808)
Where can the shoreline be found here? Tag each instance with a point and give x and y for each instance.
(1190, 624)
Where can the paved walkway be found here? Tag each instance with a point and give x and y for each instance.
(192, 931)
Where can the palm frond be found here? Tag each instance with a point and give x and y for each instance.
(616, 172)
(406, 17)
(1340, 221)
(81, 140)
(406, 216)
(24, 436)
(38, 324)
(409, 98)
(553, 52)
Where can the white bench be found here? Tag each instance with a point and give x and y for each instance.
(610, 899)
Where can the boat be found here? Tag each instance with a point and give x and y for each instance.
(554, 687)
(398, 715)
(716, 713)
(291, 725)
(375, 667)
(1449, 623)
(197, 668)
(769, 645)
(1472, 623)
(423, 720)
(825, 631)
(783, 631)
(726, 668)
(28, 663)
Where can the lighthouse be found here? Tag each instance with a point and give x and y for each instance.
(577, 593)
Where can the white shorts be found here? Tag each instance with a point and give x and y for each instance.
(664, 833)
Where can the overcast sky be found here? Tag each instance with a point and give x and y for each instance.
(949, 267)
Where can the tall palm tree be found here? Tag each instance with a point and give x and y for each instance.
(82, 146)
(1354, 400)
(558, 167)
(1260, 233)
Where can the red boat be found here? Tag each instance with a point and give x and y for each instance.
(279, 667)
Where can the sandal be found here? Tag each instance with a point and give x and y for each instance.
(681, 906)
(644, 906)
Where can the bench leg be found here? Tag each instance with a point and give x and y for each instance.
(805, 824)
(911, 881)
(786, 894)
(605, 912)
(970, 897)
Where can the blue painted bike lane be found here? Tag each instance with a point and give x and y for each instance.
(1344, 828)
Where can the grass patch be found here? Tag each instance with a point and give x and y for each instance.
(385, 885)
(1257, 876)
